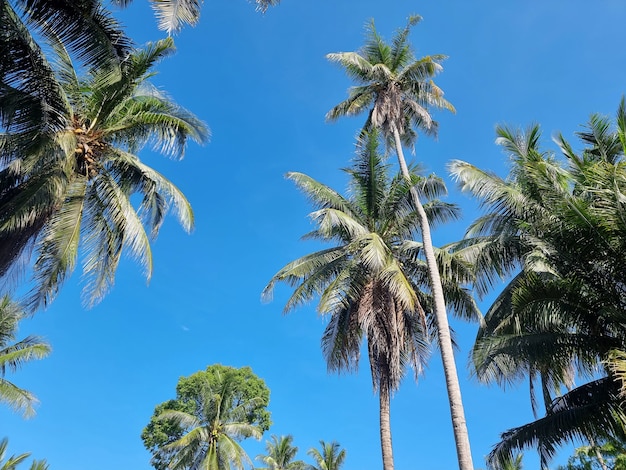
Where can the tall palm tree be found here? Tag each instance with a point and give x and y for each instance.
(211, 434)
(14, 354)
(280, 454)
(397, 90)
(373, 284)
(561, 223)
(73, 190)
(330, 457)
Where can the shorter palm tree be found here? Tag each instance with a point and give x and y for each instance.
(14, 355)
(11, 462)
(211, 434)
(373, 284)
(280, 454)
(330, 457)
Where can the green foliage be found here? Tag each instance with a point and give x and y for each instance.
(14, 354)
(562, 223)
(394, 87)
(373, 283)
(611, 453)
(69, 189)
(232, 402)
(330, 456)
(12, 462)
(280, 455)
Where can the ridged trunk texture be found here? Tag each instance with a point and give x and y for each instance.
(384, 398)
(457, 413)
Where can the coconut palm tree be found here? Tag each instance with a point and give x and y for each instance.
(11, 463)
(14, 354)
(31, 104)
(330, 457)
(73, 190)
(280, 454)
(397, 90)
(211, 433)
(373, 284)
(562, 224)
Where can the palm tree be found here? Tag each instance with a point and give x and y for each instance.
(280, 454)
(331, 456)
(31, 104)
(211, 434)
(74, 188)
(372, 283)
(562, 315)
(397, 90)
(172, 15)
(14, 355)
(12, 462)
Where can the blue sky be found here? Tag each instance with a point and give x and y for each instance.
(263, 85)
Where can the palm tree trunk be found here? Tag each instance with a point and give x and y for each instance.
(459, 425)
(596, 449)
(385, 426)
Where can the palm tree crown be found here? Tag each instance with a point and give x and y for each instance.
(280, 454)
(14, 355)
(331, 456)
(396, 88)
(74, 188)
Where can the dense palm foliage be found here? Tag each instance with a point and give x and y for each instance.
(280, 454)
(373, 284)
(14, 354)
(398, 91)
(31, 103)
(14, 461)
(330, 456)
(211, 431)
(73, 189)
(562, 221)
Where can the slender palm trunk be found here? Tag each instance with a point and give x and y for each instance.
(596, 449)
(384, 398)
(459, 425)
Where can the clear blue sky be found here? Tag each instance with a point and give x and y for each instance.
(263, 85)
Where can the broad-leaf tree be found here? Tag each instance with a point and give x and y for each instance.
(397, 91)
(373, 283)
(15, 354)
(72, 191)
(202, 428)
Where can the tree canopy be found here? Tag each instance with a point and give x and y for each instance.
(232, 402)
